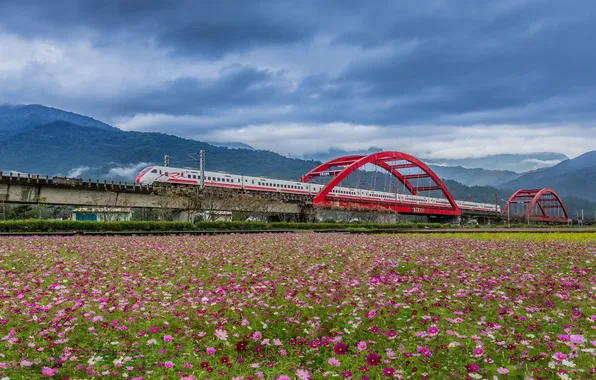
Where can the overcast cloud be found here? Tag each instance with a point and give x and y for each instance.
(435, 78)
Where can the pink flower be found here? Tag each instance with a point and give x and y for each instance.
(210, 350)
(169, 365)
(433, 330)
(334, 362)
(283, 352)
(220, 334)
(361, 346)
(478, 351)
(502, 370)
(559, 356)
(577, 339)
(302, 374)
(277, 342)
(257, 335)
(260, 375)
(187, 365)
(49, 371)
(168, 338)
(284, 377)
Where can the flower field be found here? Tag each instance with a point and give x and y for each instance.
(298, 306)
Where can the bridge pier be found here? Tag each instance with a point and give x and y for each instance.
(445, 219)
(306, 213)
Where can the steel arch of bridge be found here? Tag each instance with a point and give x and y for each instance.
(352, 163)
(546, 199)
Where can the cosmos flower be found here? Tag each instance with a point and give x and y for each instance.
(373, 359)
(220, 334)
(340, 349)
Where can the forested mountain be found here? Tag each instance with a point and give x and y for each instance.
(21, 118)
(61, 147)
(575, 177)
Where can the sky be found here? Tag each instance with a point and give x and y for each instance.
(433, 78)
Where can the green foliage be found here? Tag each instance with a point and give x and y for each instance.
(38, 225)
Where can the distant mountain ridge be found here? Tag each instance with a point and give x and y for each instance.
(16, 119)
(571, 177)
(61, 147)
(474, 177)
(517, 163)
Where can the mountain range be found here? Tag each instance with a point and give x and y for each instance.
(49, 141)
(512, 163)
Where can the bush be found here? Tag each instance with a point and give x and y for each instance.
(40, 225)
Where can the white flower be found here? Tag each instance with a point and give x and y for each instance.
(568, 363)
(475, 375)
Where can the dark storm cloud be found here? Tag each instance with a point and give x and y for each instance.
(234, 87)
(188, 27)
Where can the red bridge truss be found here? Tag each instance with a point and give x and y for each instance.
(392, 162)
(543, 205)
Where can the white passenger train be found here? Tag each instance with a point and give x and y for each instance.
(186, 176)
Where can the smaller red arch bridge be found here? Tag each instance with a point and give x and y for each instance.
(417, 187)
(541, 205)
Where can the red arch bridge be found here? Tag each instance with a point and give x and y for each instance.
(542, 205)
(409, 187)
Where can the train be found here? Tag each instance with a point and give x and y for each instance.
(192, 177)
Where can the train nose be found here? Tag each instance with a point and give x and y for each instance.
(138, 179)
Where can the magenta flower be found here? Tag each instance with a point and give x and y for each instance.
(168, 338)
(373, 359)
(340, 349)
(433, 330)
(284, 377)
(389, 371)
(257, 335)
(478, 351)
(210, 350)
(560, 356)
(169, 364)
(49, 371)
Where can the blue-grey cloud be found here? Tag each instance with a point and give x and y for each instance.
(221, 68)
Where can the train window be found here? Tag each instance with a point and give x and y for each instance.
(253, 181)
(166, 173)
(154, 171)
